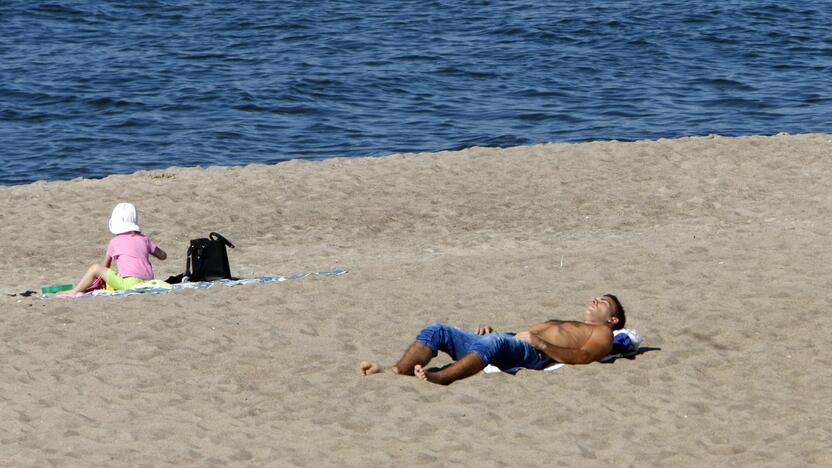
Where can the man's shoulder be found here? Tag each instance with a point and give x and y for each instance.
(576, 324)
(556, 321)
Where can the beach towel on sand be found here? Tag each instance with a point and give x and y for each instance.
(159, 287)
(625, 343)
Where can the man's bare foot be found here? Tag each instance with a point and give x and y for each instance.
(369, 368)
(421, 373)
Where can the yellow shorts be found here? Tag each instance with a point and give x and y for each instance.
(121, 283)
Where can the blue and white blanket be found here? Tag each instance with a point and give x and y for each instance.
(160, 287)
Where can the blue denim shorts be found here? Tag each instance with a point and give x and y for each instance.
(502, 350)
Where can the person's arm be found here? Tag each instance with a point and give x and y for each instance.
(543, 326)
(595, 348)
(159, 253)
(108, 257)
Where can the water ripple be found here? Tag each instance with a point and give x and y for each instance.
(90, 88)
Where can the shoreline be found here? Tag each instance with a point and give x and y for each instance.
(715, 245)
(326, 158)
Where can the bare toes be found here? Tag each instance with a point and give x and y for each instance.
(368, 368)
(419, 372)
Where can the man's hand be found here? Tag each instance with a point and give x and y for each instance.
(524, 336)
(484, 330)
(530, 339)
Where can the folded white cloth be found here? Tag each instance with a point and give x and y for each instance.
(489, 369)
(154, 283)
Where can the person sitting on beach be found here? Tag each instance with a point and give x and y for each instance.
(130, 249)
(554, 340)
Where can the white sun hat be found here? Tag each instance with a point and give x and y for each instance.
(124, 219)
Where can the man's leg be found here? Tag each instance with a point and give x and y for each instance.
(416, 355)
(435, 337)
(466, 367)
(500, 349)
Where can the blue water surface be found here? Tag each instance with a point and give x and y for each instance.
(90, 88)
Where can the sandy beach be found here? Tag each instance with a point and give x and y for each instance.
(718, 248)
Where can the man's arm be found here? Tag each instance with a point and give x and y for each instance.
(543, 326)
(595, 347)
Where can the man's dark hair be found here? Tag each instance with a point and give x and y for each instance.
(618, 312)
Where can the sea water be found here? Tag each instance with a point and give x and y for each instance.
(90, 88)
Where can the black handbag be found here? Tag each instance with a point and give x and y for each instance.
(207, 259)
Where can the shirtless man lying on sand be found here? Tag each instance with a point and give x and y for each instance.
(554, 340)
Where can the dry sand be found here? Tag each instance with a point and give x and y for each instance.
(718, 247)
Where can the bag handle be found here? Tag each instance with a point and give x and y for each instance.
(188, 261)
(216, 236)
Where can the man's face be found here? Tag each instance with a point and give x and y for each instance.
(599, 310)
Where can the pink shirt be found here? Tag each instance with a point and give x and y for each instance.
(130, 251)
